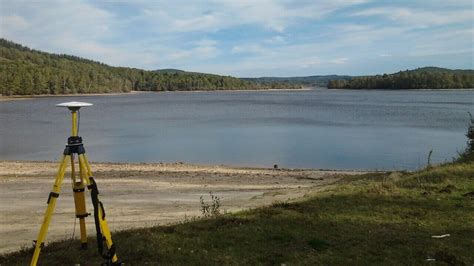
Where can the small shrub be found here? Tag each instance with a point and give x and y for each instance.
(211, 209)
(394, 176)
(468, 154)
(383, 188)
(281, 204)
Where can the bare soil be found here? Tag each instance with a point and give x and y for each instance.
(141, 195)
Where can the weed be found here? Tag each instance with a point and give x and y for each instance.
(211, 209)
(281, 204)
(383, 188)
(468, 154)
(428, 162)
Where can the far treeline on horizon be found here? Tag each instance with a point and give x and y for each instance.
(24, 71)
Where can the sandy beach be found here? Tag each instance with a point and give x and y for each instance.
(141, 195)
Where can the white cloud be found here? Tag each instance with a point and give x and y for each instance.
(248, 48)
(238, 37)
(279, 15)
(13, 23)
(278, 39)
(206, 42)
(207, 22)
(46, 24)
(178, 55)
(419, 17)
(203, 49)
(338, 61)
(82, 28)
(214, 15)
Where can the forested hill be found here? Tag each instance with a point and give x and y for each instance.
(420, 78)
(24, 71)
(318, 81)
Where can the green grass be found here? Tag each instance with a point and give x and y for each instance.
(377, 219)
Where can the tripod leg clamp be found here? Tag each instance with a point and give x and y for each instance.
(52, 195)
(93, 186)
(82, 215)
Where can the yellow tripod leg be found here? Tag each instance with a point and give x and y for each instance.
(99, 213)
(88, 166)
(80, 202)
(106, 233)
(50, 209)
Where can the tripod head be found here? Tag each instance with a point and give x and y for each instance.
(74, 106)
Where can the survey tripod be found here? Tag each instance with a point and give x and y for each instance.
(75, 151)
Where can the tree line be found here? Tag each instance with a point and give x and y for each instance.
(423, 78)
(308, 81)
(24, 71)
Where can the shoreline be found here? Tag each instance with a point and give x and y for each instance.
(29, 97)
(471, 89)
(251, 90)
(186, 165)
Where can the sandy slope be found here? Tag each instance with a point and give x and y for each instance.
(139, 195)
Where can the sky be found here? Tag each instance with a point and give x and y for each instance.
(250, 38)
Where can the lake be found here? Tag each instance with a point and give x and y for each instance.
(330, 129)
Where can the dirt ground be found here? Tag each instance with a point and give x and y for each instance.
(140, 195)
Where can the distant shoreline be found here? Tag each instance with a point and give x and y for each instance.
(253, 90)
(472, 89)
(28, 97)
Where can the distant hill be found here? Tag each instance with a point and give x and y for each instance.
(434, 69)
(313, 81)
(24, 71)
(169, 70)
(420, 78)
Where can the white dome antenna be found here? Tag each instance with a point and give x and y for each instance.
(74, 106)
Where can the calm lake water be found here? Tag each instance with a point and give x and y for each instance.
(338, 129)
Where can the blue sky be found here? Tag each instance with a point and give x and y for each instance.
(250, 38)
